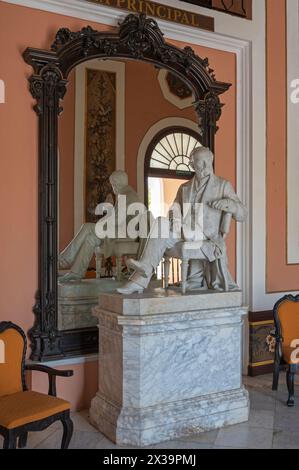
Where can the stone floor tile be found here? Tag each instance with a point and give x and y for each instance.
(179, 444)
(245, 436)
(261, 418)
(203, 437)
(80, 440)
(285, 440)
(261, 401)
(81, 421)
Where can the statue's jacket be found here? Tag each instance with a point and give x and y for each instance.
(214, 222)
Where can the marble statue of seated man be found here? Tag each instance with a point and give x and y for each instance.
(219, 202)
(78, 254)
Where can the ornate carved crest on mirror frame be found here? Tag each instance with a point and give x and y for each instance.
(137, 38)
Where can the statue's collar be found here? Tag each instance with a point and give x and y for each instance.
(198, 184)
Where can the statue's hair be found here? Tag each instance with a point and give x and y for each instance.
(120, 176)
(202, 152)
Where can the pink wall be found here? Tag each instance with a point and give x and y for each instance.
(21, 27)
(78, 389)
(280, 275)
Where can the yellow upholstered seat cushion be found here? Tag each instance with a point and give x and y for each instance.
(22, 408)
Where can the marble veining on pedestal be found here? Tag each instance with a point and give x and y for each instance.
(168, 373)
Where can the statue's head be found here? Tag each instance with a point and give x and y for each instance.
(118, 180)
(201, 160)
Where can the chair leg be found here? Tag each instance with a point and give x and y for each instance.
(118, 268)
(10, 441)
(275, 376)
(68, 428)
(99, 258)
(290, 383)
(23, 440)
(184, 265)
(166, 271)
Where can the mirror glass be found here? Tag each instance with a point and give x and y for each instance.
(117, 115)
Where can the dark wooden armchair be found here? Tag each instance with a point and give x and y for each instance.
(286, 319)
(23, 411)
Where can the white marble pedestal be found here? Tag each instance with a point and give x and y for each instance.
(169, 365)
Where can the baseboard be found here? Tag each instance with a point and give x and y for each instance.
(254, 371)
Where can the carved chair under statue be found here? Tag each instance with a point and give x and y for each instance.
(187, 251)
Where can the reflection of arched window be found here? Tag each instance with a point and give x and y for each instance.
(167, 159)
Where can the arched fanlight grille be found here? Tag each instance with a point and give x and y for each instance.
(172, 152)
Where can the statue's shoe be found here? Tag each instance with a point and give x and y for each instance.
(130, 288)
(71, 276)
(137, 266)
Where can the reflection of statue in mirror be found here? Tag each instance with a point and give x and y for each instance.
(219, 204)
(79, 252)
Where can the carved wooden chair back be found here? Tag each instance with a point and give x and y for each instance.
(12, 359)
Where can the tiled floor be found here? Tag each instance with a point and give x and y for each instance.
(271, 425)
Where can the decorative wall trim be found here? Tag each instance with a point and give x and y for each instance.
(79, 172)
(69, 361)
(260, 359)
(240, 8)
(292, 26)
(171, 97)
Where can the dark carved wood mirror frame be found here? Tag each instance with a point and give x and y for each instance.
(137, 38)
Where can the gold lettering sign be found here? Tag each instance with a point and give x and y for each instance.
(163, 12)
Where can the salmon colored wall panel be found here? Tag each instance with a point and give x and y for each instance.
(78, 390)
(280, 275)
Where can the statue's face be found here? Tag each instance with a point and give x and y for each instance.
(201, 167)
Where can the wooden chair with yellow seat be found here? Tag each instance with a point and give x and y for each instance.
(23, 411)
(286, 319)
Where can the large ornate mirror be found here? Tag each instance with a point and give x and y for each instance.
(119, 85)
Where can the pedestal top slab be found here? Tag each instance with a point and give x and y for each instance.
(157, 301)
(87, 287)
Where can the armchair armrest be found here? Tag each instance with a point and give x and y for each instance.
(52, 374)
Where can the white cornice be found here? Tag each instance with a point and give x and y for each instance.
(111, 16)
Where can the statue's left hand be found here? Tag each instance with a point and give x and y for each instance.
(226, 205)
